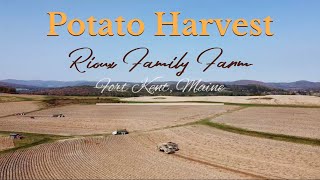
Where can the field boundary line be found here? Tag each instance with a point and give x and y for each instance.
(197, 121)
(42, 106)
(226, 103)
(232, 129)
(222, 167)
(161, 104)
(260, 134)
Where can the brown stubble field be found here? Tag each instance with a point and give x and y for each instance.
(93, 119)
(205, 152)
(102, 158)
(304, 122)
(5, 142)
(294, 100)
(247, 155)
(10, 108)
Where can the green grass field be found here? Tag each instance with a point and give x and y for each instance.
(31, 139)
(266, 135)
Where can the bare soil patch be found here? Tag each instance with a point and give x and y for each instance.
(205, 153)
(10, 108)
(6, 143)
(94, 119)
(299, 100)
(302, 122)
(113, 157)
(234, 152)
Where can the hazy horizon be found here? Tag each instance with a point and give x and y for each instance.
(1, 80)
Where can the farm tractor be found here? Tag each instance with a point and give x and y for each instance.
(168, 148)
(120, 132)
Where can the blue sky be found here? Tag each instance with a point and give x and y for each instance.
(291, 54)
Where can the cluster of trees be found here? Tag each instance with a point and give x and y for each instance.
(252, 90)
(230, 90)
(7, 90)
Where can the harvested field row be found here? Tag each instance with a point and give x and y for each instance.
(204, 153)
(10, 108)
(92, 119)
(304, 122)
(260, 157)
(6, 143)
(102, 158)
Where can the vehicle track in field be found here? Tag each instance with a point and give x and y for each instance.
(225, 168)
(33, 107)
(248, 156)
(74, 152)
(95, 158)
(255, 176)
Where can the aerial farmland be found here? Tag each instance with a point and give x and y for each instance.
(230, 139)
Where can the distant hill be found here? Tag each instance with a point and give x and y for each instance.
(230, 90)
(246, 82)
(297, 85)
(4, 89)
(46, 84)
(17, 86)
(36, 84)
